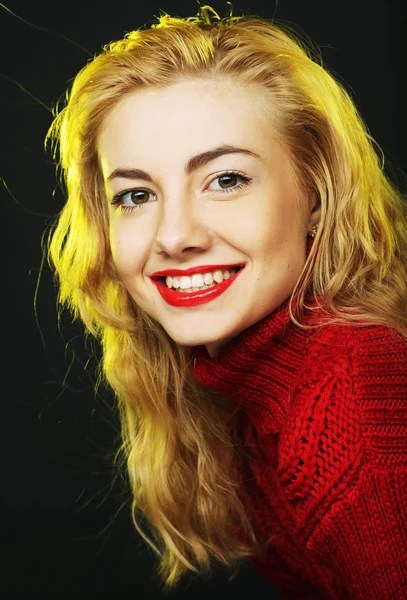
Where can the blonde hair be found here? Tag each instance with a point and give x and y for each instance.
(181, 458)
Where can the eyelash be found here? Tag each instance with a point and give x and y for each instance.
(118, 198)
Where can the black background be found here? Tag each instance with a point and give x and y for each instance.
(65, 523)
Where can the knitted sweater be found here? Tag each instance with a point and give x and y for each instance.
(324, 422)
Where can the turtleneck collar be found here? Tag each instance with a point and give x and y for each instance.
(257, 368)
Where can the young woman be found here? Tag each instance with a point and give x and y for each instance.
(232, 240)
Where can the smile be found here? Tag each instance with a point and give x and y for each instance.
(195, 298)
(199, 280)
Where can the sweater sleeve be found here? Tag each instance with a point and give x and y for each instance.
(363, 536)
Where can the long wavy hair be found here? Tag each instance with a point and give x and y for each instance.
(178, 447)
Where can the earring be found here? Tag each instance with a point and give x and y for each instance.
(313, 231)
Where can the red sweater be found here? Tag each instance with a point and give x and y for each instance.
(327, 411)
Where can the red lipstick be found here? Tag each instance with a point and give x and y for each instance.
(188, 300)
(193, 270)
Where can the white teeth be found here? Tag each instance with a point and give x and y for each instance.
(198, 280)
(208, 279)
(185, 282)
(172, 282)
(218, 276)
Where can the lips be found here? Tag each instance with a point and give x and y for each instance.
(193, 270)
(194, 299)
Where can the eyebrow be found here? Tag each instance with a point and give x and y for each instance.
(194, 163)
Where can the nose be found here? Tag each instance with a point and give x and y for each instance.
(181, 229)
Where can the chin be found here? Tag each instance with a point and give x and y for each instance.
(196, 340)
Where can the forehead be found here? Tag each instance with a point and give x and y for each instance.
(183, 118)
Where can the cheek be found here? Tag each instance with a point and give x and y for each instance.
(125, 247)
(268, 224)
(262, 235)
(115, 243)
(277, 245)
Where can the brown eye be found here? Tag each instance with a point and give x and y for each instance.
(136, 196)
(224, 180)
(131, 199)
(228, 182)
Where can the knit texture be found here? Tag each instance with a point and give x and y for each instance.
(323, 420)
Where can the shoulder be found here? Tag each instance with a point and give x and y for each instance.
(366, 347)
(374, 357)
(369, 351)
(379, 352)
(367, 368)
(347, 413)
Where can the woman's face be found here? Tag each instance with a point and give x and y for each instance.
(176, 217)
